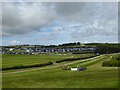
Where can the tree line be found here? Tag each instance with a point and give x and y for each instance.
(106, 49)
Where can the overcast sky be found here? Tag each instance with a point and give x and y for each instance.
(54, 23)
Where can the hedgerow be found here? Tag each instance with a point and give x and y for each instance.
(28, 66)
(111, 63)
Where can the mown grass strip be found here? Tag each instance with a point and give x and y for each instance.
(88, 62)
(73, 59)
(91, 63)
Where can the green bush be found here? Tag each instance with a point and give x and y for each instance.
(18, 67)
(116, 57)
(28, 66)
(111, 63)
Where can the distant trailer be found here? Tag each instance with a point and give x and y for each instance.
(78, 69)
(74, 69)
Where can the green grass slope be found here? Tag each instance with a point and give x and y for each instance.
(22, 60)
(95, 76)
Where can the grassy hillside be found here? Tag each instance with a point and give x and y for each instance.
(18, 60)
(95, 76)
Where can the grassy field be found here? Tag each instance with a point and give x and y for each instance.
(17, 60)
(95, 76)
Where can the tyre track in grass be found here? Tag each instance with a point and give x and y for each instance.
(50, 67)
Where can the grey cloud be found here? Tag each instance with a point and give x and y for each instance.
(69, 8)
(92, 18)
(23, 18)
(104, 13)
(10, 15)
(86, 11)
(95, 28)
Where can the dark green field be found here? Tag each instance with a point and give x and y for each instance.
(53, 76)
